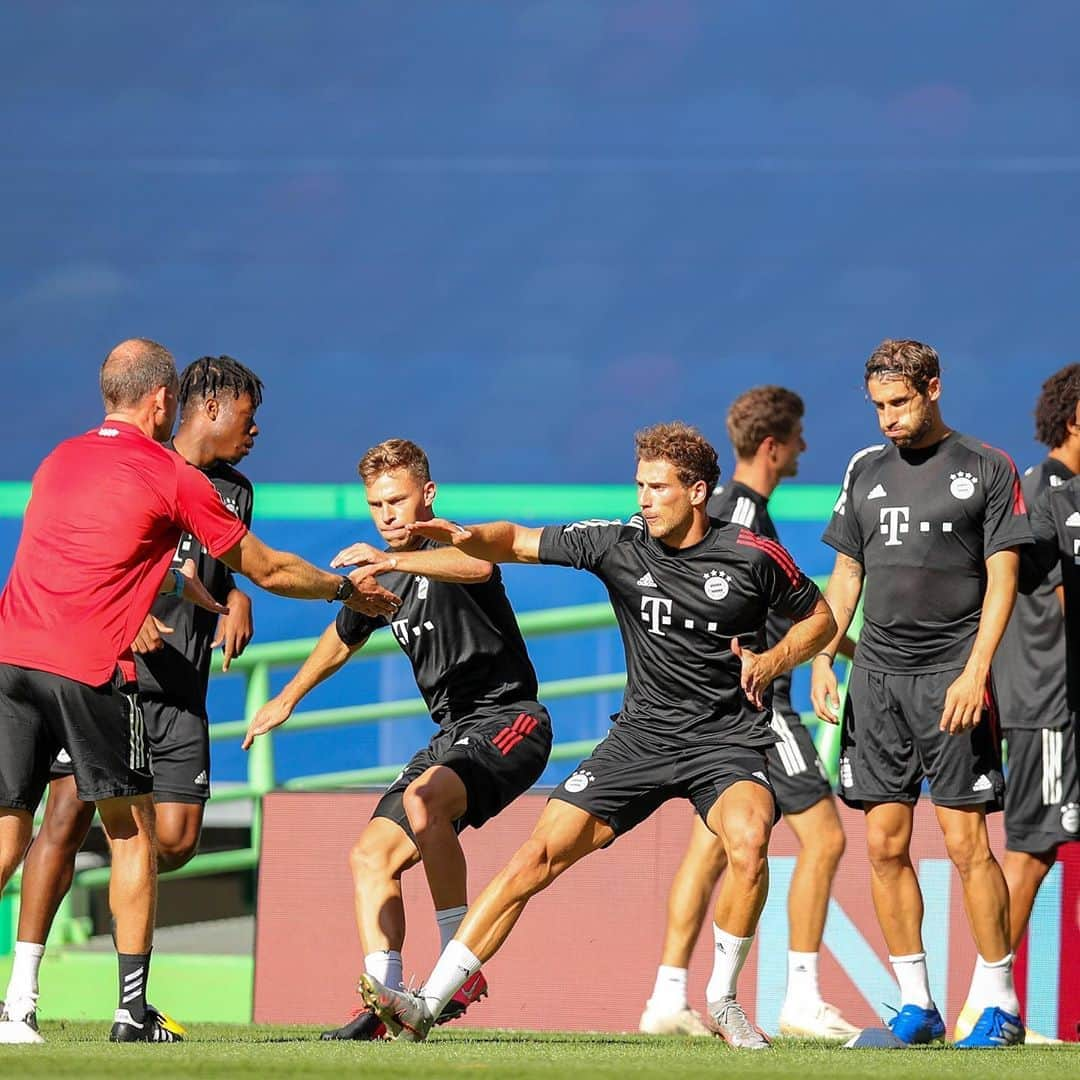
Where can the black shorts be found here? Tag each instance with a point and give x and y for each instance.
(101, 727)
(179, 743)
(498, 756)
(1042, 800)
(798, 778)
(628, 777)
(891, 740)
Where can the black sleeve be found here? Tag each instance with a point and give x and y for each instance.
(245, 508)
(843, 533)
(1006, 523)
(582, 544)
(1042, 559)
(790, 592)
(354, 628)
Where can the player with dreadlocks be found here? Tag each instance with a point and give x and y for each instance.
(218, 398)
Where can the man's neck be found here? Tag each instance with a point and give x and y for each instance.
(142, 420)
(757, 476)
(193, 449)
(1068, 453)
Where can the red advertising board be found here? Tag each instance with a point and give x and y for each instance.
(583, 956)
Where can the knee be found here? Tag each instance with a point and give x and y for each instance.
(427, 801)
(747, 846)
(886, 849)
(966, 852)
(174, 852)
(369, 862)
(530, 869)
(826, 847)
(66, 825)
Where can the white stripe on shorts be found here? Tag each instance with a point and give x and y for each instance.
(791, 756)
(1052, 746)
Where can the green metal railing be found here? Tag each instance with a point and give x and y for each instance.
(255, 666)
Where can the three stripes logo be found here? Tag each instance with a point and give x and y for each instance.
(515, 733)
(136, 734)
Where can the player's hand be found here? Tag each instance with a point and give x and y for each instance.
(824, 690)
(440, 530)
(964, 701)
(195, 592)
(234, 629)
(271, 715)
(371, 598)
(757, 673)
(357, 555)
(150, 637)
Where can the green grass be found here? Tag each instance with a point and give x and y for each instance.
(225, 1050)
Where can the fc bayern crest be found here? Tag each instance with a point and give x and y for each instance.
(963, 485)
(717, 584)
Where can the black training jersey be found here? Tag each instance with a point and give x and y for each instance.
(923, 523)
(738, 503)
(1029, 667)
(180, 671)
(678, 610)
(1055, 521)
(463, 641)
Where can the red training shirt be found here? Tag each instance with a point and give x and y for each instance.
(106, 512)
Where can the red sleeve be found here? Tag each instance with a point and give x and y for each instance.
(201, 512)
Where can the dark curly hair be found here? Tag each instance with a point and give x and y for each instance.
(1057, 406)
(211, 376)
(682, 446)
(904, 359)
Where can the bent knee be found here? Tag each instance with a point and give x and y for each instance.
(967, 853)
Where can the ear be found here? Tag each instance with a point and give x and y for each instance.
(211, 407)
(161, 399)
(429, 492)
(699, 493)
(933, 389)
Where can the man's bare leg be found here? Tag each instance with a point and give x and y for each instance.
(1024, 874)
(129, 825)
(46, 879)
(16, 828)
(986, 901)
(742, 818)
(179, 826)
(668, 1012)
(563, 835)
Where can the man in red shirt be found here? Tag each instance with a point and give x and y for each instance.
(106, 512)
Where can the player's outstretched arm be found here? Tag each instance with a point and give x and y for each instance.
(966, 697)
(328, 656)
(286, 574)
(803, 639)
(842, 595)
(449, 564)
(494, 541)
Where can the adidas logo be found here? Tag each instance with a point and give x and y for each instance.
(878, 493)
(1073, 521)
(647, 582)
(201, 780)
(463, 741)
(982, 784)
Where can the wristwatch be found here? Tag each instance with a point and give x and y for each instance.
(345, 589)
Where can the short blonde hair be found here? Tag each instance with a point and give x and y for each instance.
(394, 454)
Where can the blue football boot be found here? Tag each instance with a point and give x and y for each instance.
(994, 1028)
(915, 1026)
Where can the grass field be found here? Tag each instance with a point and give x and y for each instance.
(250, 1051)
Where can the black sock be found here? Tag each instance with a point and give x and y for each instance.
(134, 969)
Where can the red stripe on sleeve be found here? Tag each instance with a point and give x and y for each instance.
(777, 553)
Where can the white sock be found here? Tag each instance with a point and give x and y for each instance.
(914, 980)
(449, 919)
(992, 985)
(803, 988)
(729, 955)
(669, 991)
(22, 989)
(455, 966)
(385, 965)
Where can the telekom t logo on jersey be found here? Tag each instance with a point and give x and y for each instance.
(656, 611)
(894, 523)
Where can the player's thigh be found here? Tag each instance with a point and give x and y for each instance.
(962, 769)
(102, 729)
(818, 828)
(384, 849)
(1042, 793)
(497, 757)
(564, 834)
(391, 806)
(128, 817)
(879, 758)
(798, 777)
(728, 784)
(67, 818)
(179, 742)
(28, 742)
(622, 782)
